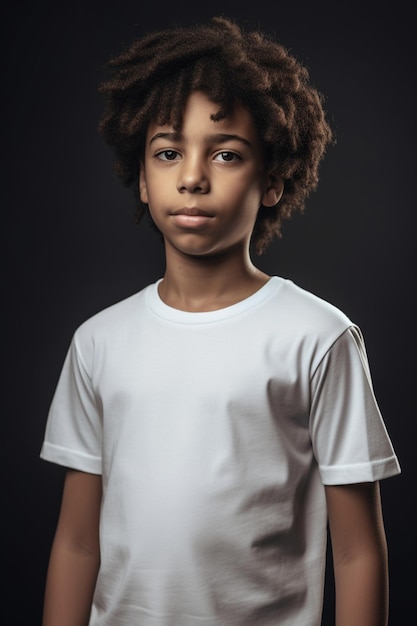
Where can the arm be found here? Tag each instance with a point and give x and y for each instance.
(75, 554)
(359, 554)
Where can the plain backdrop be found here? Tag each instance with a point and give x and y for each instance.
(71, 246)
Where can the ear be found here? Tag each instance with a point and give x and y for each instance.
(274, 190)
(143, 190)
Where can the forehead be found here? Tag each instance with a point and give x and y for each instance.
(197, 119)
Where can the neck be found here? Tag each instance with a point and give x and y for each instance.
(208, 283)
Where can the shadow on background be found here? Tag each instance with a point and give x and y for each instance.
(71, 246)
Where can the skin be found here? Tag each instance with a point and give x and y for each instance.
(75, 554)
(216, 168)
(360, 558)
(204, 186)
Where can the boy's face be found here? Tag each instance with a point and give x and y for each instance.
(205, 183)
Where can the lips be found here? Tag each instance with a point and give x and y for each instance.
(191, 218)
(193, 211)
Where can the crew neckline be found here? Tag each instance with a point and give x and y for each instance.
(163, 310)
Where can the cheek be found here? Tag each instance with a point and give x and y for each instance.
(158, 203)
(157, 190)
(156, 198)
(247, 197)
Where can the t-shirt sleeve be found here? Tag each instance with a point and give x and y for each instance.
(349, 437)
(73, 431)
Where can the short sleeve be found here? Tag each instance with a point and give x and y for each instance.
(349, 437)
(74, 425)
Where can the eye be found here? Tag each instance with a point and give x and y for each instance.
(227, 156)
(167, 155)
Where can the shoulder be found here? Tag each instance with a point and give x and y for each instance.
(115, 319)
(301, 308)
(306, 323)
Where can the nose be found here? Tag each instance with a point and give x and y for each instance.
(193, 176)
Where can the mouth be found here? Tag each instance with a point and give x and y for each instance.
(191, 218)
(192, 211)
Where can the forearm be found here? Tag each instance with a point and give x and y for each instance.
(362, 591)
(359, 554)
(69, 587)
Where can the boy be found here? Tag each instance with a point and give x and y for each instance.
(213, 423)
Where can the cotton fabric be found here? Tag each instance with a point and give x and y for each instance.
(215, 433)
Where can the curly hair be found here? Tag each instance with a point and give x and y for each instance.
(152, 79)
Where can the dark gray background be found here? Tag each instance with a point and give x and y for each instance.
(71, 246)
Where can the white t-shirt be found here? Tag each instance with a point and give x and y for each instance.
(214, 433)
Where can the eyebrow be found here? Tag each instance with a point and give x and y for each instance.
(214, 138)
